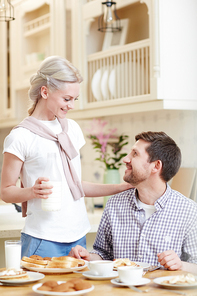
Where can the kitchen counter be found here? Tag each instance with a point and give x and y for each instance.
(12, 222)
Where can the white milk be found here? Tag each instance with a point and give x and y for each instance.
(12, 255)
(54, 201)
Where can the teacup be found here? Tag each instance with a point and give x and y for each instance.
(130, 274)
(101, 267)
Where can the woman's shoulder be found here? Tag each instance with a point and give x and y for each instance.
(18, 135)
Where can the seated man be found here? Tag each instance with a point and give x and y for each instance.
(149, 223)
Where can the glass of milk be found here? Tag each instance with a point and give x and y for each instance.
(12, 254)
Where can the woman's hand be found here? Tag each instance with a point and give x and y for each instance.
(41, 188)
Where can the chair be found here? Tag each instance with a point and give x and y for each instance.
(185, 182)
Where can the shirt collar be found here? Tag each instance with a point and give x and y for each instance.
(160, 202)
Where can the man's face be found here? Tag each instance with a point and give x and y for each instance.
(138, 168)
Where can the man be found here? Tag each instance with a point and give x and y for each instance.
(151, 222)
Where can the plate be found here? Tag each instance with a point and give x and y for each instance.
(142, 264)
(95, 85)
(57, 270)
(142, 282)
(90, 276)
(81, 292)
(112, 82)
(104, 84)
(167, 278)
(33, 277)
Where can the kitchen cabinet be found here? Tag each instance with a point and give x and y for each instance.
(155, 69)
(38, 31)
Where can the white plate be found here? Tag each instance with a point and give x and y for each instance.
(96, 85)
(90, 276)
(33, 277)
(167, 278)
(142, 282)
(142, 264)
(112, 82)
(57, 270)
(104, 84)
(81, 292)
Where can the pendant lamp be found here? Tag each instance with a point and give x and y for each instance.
(109, 20)
(6, 11)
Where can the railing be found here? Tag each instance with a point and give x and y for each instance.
(120, 72)
(36, 25)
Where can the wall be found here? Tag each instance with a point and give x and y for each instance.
(180, 125)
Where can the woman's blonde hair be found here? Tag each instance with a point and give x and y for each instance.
(54, 72)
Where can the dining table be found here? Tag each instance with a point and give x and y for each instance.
(104, 287)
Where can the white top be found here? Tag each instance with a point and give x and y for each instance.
(71, 222)
(149, 209)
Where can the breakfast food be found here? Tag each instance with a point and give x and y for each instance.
(69, 286)
(13, 274)
(124, 262)
(181, 280)
(54, 262)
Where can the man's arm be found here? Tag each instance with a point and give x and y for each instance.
(170, 260)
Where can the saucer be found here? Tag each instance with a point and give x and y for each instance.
(141, 282)
(90, 276)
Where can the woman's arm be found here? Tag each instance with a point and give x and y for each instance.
(96, 190)
(10, 193)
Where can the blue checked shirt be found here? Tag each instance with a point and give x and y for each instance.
(125, 233)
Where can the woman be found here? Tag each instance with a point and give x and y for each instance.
(54, 89)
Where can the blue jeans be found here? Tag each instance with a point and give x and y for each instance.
(44, 248)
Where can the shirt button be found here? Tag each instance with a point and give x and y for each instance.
(143, 235)
(140, 256)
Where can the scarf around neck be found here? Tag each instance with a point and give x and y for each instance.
(66, 148)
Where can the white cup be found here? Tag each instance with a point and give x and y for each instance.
(129, 274)
(12, 254)
(101, 267)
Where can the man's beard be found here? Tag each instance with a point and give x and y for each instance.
(134, 178)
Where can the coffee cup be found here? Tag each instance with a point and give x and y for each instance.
(101, 267)
(130, 274)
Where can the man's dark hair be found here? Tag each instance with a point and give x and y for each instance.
(163, 148)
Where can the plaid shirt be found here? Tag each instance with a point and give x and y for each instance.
(125, 233)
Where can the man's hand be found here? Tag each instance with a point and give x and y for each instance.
(80, 253)
(170, 260)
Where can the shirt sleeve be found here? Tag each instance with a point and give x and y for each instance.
(76, 134)
(14, 143)
(103, 243)
(189, 249)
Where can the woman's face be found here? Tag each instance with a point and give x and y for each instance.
(59, 102)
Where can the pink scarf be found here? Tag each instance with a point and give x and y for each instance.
(66, 148)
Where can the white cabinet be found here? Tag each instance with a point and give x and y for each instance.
(38, 31)
(155, 69)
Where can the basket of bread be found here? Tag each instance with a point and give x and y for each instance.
(52, 264)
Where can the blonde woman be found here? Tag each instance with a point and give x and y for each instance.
(53, 91)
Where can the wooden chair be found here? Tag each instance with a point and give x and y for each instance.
(185, 182)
